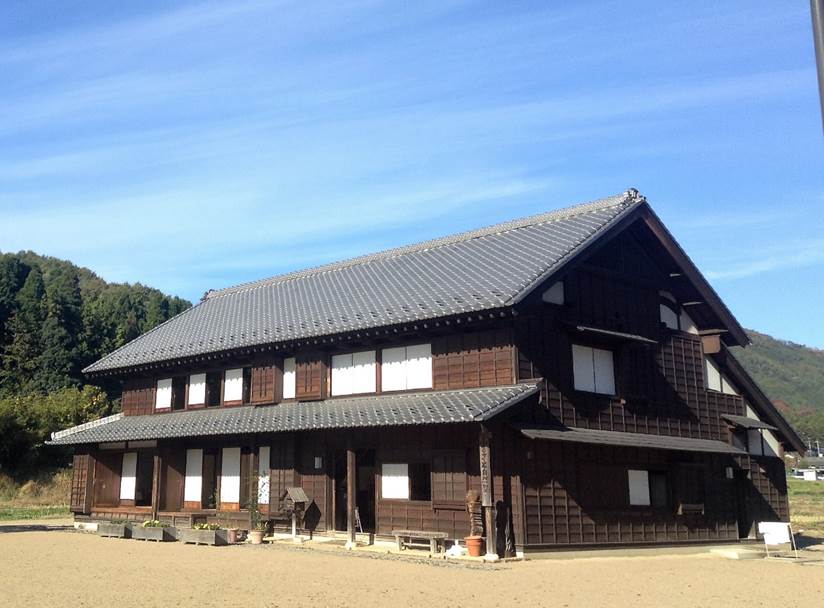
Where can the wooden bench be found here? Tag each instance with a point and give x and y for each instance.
(407, 538)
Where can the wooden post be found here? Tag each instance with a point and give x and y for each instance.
(485, 455)
(156, 485)
(351, 490)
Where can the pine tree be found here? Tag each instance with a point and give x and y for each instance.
(62, 332)
(21, 355)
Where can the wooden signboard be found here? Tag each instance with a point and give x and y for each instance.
(486, 470)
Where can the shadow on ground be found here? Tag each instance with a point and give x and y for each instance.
(18, 527)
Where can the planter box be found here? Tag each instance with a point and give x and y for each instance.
(155, 534)
(114, 530)
(203, 537)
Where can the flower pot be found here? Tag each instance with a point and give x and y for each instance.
(475, 545)
(203, 537)
(256, 536)
(231, 535)
(155, 534)
(114, 530)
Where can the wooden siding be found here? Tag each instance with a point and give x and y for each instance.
(578, 495)
(768, 490)
(282, 474)
(82, 477)
(660, 387)
(474, 359)
(138, 397)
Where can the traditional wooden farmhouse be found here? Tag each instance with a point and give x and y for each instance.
(573, 368)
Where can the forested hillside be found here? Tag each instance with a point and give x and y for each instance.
(791, 373)
(56, 318)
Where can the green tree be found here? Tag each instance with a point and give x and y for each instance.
(20, 356)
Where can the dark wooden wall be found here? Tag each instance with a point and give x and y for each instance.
(576, 494)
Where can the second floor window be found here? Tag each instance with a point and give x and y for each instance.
(233, 385)
(197, 389)
(593, 369)
(289, 378)
(353, 373)
(406, 368)
(163, 395)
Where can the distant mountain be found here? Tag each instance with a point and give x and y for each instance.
(792, 375)
(56, 318)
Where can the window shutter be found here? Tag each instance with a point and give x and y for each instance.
(262, 384)
(449, 479)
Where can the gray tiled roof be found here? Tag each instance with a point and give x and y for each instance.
(480, 270)
(471, 405)
(637, 440)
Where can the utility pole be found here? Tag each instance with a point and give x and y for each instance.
(817, 10)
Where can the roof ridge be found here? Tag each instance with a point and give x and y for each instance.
(626, 198)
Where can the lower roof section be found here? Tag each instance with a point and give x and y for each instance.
(635, 440)
(439, 407)
(748, 423)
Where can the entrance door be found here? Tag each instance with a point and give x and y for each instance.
(365, 484)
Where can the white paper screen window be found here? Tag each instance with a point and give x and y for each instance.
(406, 367)
(263, 475)
(163, 395)
(289, 378)
(197, 389)
(193, 485)
(395, 481)
(233, 385)
(127, 476)
(230, 476)
(593, 369)
(353, 373)
(638, 488)
(712, 374)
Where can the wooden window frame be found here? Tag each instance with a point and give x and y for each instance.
(616, 355)
(408, 462)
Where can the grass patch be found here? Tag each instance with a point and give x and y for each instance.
(806, 505)
(9, 512)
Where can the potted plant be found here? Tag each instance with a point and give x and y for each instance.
(475, 540)
(153, 529)
(116, 528)
(204, 534)
(257, 524)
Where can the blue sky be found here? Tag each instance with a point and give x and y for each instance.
(195, 146)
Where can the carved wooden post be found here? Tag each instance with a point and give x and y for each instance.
(485, 455)
(351, 489)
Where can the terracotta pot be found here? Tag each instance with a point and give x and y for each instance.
(256, 536)
(475, 545)
(231, 535)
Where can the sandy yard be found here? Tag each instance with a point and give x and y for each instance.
(63, 568)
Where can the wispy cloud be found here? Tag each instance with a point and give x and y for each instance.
(801, 254)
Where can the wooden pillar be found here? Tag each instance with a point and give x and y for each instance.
(485, 455)
(156, 485)
(351, 490)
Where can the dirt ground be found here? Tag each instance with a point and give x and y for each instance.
(40, 567)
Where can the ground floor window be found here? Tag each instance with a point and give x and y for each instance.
(648, 488)
(406, 481)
